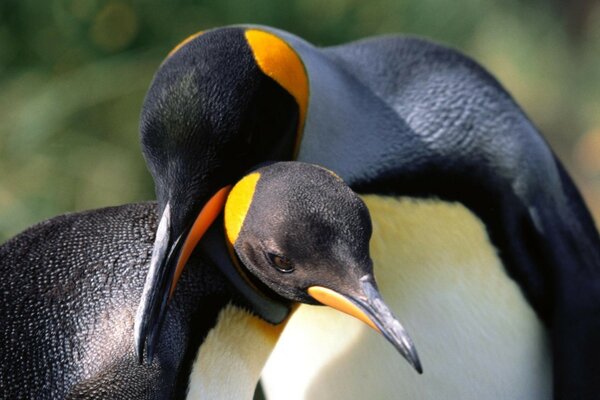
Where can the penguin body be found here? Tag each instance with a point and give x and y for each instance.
(70, 289)
(476, 334)
(405, 117)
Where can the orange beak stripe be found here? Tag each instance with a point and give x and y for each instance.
(206, 217)
(341, 303)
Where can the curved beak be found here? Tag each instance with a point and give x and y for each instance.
(368, 306)
(169, 256)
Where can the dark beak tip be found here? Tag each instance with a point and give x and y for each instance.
(411, 356)
(417, 366)
(139, 356)
(415, 361)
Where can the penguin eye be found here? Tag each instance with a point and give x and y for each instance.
(282, 263)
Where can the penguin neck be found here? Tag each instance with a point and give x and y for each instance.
(230, 360)
(335, 119)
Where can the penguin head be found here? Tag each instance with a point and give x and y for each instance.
(290, 222)
(301, 231)
(213, 110)
(222, 101)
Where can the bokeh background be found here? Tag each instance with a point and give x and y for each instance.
(73, 74)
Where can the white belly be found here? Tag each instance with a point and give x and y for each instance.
(230, 359)
(476, 335)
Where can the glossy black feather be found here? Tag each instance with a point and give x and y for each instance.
(70, 288)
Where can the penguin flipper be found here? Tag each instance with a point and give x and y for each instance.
(572, 240)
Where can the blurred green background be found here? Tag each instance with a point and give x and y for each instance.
(73, 74)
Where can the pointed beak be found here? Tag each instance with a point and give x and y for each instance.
(169, 256)
(368, 306)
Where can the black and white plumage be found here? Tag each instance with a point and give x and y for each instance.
(72, 286)
(478, 230)
(403, 117)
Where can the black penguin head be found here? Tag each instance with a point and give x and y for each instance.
(295, 225)
(223, 101)
(301, 231)
(211, 113)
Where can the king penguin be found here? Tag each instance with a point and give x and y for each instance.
(481, 240)
(71, 286)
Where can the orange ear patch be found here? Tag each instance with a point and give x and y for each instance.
(238, 204)
(280, 62)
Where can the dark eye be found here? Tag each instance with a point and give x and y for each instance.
(282, 263)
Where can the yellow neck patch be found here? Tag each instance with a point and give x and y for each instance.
(280, 62)
(183, 43)
(238, 204)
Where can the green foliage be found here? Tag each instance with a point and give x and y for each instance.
(73, 74)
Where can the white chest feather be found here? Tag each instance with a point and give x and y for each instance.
(476, 335)
(230, 360)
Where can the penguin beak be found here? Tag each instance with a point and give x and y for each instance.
(368, 306)
(169, 257)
